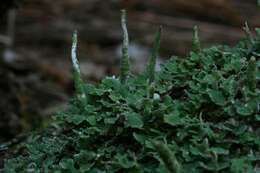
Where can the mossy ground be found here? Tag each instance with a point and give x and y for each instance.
(198, 114)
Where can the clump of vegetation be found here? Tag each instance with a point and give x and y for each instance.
(198, 114)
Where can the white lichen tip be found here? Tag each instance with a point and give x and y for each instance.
(248, 33)
(74, 52)
(124, 64)
(124, 27)
(196, 47)
(79, 85)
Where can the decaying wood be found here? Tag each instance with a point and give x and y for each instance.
(98, 21)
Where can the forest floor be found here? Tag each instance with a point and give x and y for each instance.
(36, 81)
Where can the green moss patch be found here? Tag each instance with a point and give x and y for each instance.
(199, 114)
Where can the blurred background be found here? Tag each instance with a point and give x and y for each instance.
(35, 41)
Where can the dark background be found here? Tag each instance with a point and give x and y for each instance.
(35, 70)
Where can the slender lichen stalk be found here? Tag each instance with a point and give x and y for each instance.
(167, 157)
(196, 47)
(152, 60)
(124, 64)
(251, 74)
(79, 85)
(249, 35)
